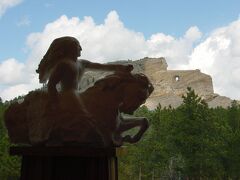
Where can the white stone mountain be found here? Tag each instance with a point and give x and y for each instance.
(169, 85)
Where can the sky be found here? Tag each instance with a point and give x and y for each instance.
(190, 34)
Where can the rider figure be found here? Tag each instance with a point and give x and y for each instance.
(61, 65)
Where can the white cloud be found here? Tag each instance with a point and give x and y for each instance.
(175, 50)
(107, 41)
(6, 4)
(16, 79)
(11, 72)
(16, 90)
(193, 34)
(217, 55)
(112, 40)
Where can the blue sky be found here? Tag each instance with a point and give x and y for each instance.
(190, 34)
(171, 17)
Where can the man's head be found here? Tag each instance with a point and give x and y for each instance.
(63, 47)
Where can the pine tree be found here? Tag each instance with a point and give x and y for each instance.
(193, 139)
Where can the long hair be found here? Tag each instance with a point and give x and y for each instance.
(60, 48)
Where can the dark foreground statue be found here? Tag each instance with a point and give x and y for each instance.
(30, 123)
(56, 118)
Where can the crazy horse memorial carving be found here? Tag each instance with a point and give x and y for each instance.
(53, 117)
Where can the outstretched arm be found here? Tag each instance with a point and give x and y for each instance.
(109, 67)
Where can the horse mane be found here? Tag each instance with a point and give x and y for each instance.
(113, 81)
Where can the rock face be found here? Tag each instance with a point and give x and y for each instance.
(169, 85)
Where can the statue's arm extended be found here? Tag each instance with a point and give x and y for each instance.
(108, 67)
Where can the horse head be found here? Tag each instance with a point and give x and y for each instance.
(133, 89)
(119, 92)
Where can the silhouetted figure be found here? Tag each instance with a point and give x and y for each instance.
(60, 65)
(67, 116)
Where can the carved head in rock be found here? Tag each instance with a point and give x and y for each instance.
(63, 47)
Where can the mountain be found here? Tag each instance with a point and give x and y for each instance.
(169, 85)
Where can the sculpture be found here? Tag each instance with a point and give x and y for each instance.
(93, 117)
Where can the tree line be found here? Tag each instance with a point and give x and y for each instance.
(9, 165)
(192, 141)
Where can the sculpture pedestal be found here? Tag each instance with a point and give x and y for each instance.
(67, 163)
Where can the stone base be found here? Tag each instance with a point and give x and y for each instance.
(67, 163)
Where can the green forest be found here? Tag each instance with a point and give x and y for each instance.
(9, 165)
(192, 141)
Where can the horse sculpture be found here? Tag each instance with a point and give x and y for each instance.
(35, 122)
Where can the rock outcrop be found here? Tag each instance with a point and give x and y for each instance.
(169, 85)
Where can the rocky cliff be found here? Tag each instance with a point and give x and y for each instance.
(169, 85)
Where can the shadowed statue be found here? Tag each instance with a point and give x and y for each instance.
(65, 116)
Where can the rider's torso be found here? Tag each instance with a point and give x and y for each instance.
(73, 71)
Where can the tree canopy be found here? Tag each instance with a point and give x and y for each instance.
(192, 141)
